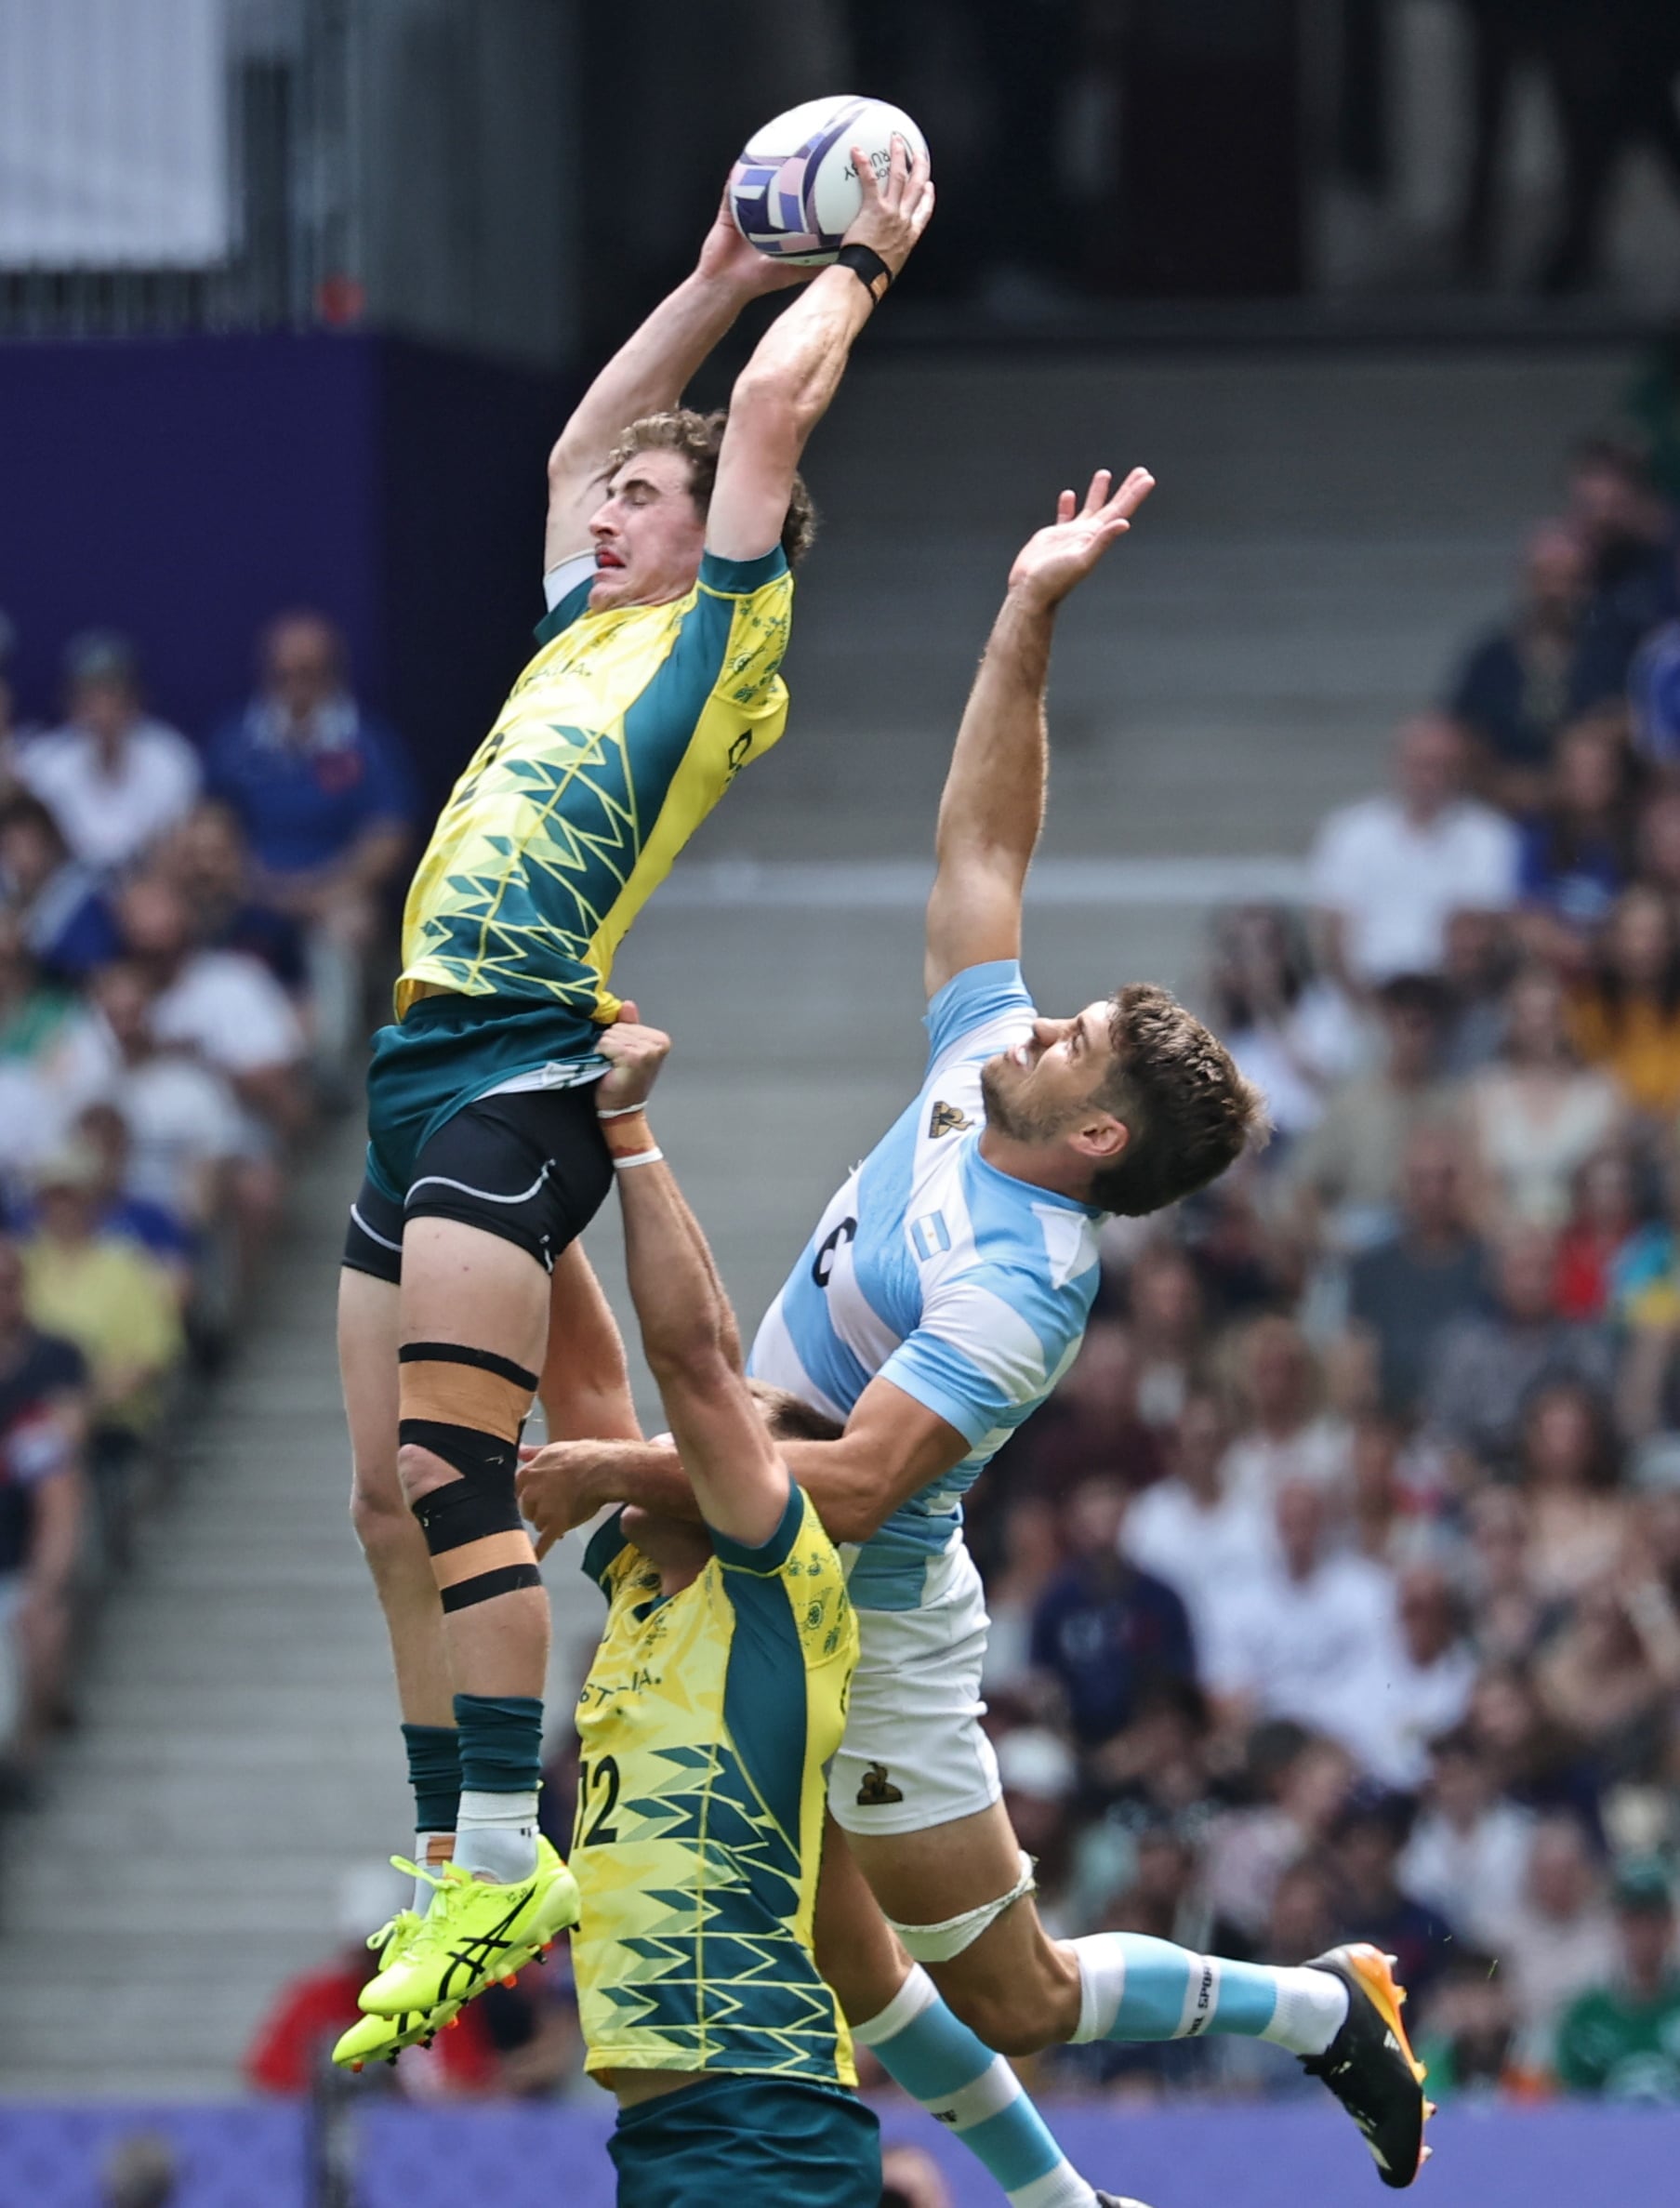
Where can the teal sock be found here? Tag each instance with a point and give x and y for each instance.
(501, 1771)
(434, 1772)
(938, 2062)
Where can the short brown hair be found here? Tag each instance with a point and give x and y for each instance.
(1188, 1111)
(699, 438)
(789, 1418)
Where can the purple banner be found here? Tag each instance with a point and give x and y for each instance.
(258, 2155)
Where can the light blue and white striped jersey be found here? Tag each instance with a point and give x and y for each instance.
(967, 1289)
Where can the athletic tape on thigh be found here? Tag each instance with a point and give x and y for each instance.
(454, 1386)
(467, 1405)
(940, 1943)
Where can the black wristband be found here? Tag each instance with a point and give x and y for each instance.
(868, 266)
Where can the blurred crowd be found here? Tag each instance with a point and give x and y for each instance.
(187, 935)
(1336, 1594)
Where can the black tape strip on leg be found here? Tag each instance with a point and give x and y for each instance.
(482, 1501)
(458, 1353)
(488, 1585)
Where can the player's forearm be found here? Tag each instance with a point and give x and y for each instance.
(797, 366)
(673, 1283)
(649, 1473)
(993, 804)
(649, 372)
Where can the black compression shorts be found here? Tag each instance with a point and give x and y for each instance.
(531, 1167)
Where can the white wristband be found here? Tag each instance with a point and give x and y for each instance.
(624, 1112)
(623, 1165)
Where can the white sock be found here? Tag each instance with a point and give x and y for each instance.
(496, 1837)
(1312, 2008)
(431, 1849)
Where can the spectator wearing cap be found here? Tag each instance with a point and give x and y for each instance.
(1621, 2038)
(1522, 681)
(326, 800)
(43, 1381)
(1347, 1172)
(114, 1301)
(1408, 1286)
(114, 779)
(1488, 1365)
(67, 923)
(1389, 871)
(1102, 1628)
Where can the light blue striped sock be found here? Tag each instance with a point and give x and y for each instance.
(974, 2093)
(1135, 1987)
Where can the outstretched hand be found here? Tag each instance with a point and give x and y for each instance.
(896, 208)
(727, 257)
(1058, 557)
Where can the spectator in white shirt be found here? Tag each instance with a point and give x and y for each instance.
(1558, 1936)
(226, 1009)
(183, 1122)
(1468, 1853)
(1425, 1683)
(1309, 1637)
(1389, 871)
(1190, 1529)
(1285, 1436)
(112, 779)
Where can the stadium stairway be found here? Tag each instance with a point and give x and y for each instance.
(1328, 528)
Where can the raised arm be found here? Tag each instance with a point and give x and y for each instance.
(649, 372)
(784, 391)
(688, 1332)
(993, 806)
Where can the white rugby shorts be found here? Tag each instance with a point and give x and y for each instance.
(914, 1753)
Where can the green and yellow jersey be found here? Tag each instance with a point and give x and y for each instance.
(614, 743)
(706, 1722)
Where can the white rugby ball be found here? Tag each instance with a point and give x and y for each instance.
(794, 192)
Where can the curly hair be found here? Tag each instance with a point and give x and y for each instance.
(1189, 1112)
(699, 438)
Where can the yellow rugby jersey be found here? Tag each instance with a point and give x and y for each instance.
(614, 743)
(705, 1723)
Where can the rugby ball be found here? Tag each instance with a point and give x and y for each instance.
(794, 192)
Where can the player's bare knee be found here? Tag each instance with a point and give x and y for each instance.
(420, 1471)
(378, 1508)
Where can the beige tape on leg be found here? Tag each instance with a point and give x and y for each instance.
(943, 1942)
